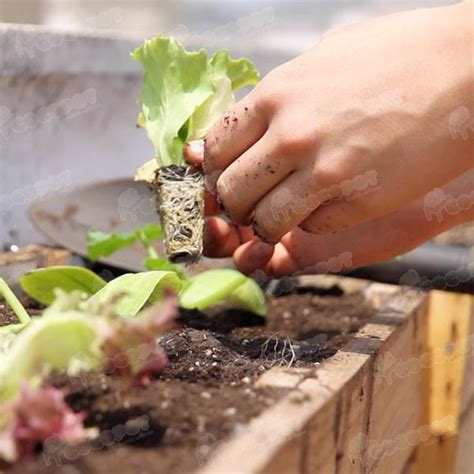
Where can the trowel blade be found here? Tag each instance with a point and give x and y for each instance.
(118, 205)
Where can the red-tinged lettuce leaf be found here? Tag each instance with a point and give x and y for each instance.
(34, 417)
(73, 335)
(131, 346)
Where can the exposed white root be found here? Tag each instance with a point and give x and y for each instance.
(282, 352)
(180, 202)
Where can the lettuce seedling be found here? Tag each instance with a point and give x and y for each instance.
(72, 336)
(223, 286)
(137, 289)
(207, 289)
(183, 95)
(101, 244)
(212, 287)
(41, 283)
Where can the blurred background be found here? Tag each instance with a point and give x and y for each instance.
(286, 26)
(68, 87)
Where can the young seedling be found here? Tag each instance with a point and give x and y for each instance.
(210, 288)
(40, 284)
(72, 336)
(101, 244)
(226, 287)
(183, 95)
(14, 303)
(223, 286)
(206, 289)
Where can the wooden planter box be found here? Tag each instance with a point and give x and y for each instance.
(366, 409)
(397, 398)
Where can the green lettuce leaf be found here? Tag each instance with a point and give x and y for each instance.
(184, 93)
(223, 286)
(228, 76)
(40, 284)
(208, 113)
(241, 72)
(52, 343)
(75, 335)
(137, 289)
(176, 82)
(101, 244)
(164, 265)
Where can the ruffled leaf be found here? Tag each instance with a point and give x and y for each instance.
(185, 92)
(34, 417)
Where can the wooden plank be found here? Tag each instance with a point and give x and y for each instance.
(348, 427)
(397, 396)
(326, 423)
(436, 456)
(467, 397)
(465, 453)
(448, 330)
(448, 343)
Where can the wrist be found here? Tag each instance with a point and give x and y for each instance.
(457, 48)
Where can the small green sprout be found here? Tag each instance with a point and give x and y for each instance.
(16, 306)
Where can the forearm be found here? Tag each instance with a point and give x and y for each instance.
(460, 119)
(442, 94)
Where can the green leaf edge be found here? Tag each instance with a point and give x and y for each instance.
(28, 278)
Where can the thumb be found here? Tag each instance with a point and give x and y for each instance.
(194, 152)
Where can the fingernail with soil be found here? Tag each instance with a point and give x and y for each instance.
(259, 232)
(259, 254)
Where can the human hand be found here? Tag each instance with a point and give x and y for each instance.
(367, 243)
(369, 102)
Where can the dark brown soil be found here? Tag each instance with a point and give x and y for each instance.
(206, 393)
(7, 316)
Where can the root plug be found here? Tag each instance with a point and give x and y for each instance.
(180, 205)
